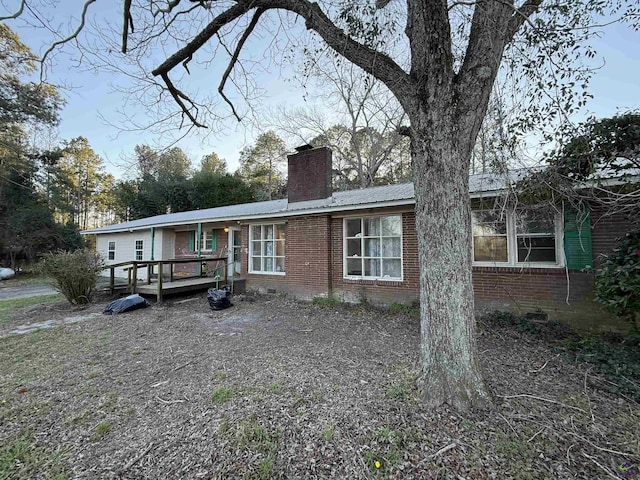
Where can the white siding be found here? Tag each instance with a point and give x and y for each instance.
(164, 244)
(125, 249)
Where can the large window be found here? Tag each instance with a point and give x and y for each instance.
(266, 249)
(373, 247)
(139, 250)
(527, 236)
(112, 250)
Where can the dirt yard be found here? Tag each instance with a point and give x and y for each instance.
(271, 388)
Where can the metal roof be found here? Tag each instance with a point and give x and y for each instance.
(373, 197)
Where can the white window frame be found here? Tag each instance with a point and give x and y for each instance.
(262, 241)
(206, 235)
(345, 239)
(139, 250)
(512, 245)
(111, 251)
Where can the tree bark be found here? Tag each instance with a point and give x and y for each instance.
(450, 371)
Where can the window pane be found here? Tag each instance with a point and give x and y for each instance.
(112, 255)
(255, 246)
(487, 222)
(353, 227)
(391, 247)
(372, 247)
(537, 249)
(372, 268)
(530, 221)
(112, 245)
(392, 226)
(354, 266)
(280, 248)
(268, 249)
(490, 249)
(255, 232)
(280, 232)
(391, 268)
(280, 265)
(372, 227)
(268, 264)
(267, 231)
(353, 247)
(256, 264)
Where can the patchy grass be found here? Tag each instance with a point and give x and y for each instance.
(8, 307)
(22, 279)
(101, 430)
(21, 458)
(222, 395)
(38, 355)
(251, 436)
(403, 384)
(327, 302)
(403, 308)
(328, 433)
(299, 392)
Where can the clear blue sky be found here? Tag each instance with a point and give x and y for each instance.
(92, 99)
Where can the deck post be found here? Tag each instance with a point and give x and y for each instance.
(171, 271)
(159, 294)
(199, 249)
(134, 280)
(112, 280)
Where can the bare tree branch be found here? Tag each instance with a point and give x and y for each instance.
(369, 59)
(17, 14)
(234, 58)
(178, 96)
(74, 35)
(128, 23)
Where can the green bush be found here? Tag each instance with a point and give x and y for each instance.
(74, 274)
(618, 279)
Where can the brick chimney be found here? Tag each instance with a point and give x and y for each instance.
(309, 174)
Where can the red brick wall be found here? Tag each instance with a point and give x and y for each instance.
(605, 230)
(307, 259)
(309, 174)
(314, 267)
(182, 251)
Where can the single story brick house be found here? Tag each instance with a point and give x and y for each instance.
(361, 244)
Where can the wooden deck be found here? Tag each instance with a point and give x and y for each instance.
(179, 286)
(157, 284)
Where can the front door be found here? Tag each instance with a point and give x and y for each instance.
(234, 252)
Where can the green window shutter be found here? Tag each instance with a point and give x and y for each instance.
(577, 238)
(214, 241)
(192, 241)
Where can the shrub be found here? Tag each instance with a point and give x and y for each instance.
(618, 279)
(74, 274)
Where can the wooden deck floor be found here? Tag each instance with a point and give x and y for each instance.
(178, 286)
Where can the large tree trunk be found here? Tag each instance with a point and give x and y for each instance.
(450, 371)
